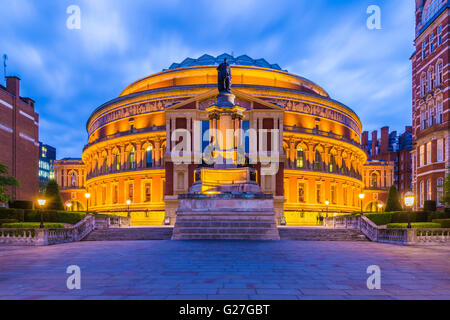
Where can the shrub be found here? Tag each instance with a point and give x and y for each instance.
(16, 214)
(429, 206)
(402, 217)
(445, 223)
(380, 219)
(393, 200)
(3, 221)
(17, 204)
(32, 225)
(70, 217)
(53, 196)
(35, 216)
(425, 225)
(438, 215)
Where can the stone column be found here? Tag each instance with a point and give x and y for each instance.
(157, 153)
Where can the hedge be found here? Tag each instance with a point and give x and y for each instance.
(16, 214)
(48, 216)
(32, 225)
(2, 221)
(380, 219)
(445, 223)
(426, 225)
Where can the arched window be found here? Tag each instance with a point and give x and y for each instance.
(300, 157)
(374, 180)
(439, 75)
(73, 179)
(116, 165)
(332, 163)
(317, 160)
(149, 157)
(131, 159)
(105, 166)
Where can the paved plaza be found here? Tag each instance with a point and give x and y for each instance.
(286, 270)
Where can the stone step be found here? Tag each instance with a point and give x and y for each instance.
(233, 230)
(130, 234)
(321, 234)
(252, 237)
(225, 224)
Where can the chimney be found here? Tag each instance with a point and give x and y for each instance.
(384, 148)
(13, 85)
(374, 143)
(365, 140)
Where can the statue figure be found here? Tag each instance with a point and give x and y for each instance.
(224, 77)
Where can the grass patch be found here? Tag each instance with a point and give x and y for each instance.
(418, 225)
(32, 225)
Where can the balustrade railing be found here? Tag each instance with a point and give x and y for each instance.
(42, 237)
(394, 236)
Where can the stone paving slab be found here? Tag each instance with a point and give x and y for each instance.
(229, 270)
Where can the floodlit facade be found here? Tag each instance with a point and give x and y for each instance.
(131, 139)
(431, 116)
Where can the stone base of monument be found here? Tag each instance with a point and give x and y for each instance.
(230, 208)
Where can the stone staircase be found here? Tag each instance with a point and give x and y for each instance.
(320, 234)
(226, 224)
(130, 234)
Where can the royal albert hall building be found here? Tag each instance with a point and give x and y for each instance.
(128, 155)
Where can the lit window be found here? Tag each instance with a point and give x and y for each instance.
(422, 156)
(149, 157)
(439, 76)
(421, 194)
(424, 50)
(431, 43)
(429, 161)
(439, 35)
(440, 190)
(428, 191)
(148, 192)
(440, 150)
(300, 157)
(319, 193)
(301, 193)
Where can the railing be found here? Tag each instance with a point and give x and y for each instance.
(321, 133)
(42, 237)
(394, 236)
(322, 167)
(110, 170)
(126, 133)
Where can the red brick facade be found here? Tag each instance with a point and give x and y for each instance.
(19, 139)
(431, 111)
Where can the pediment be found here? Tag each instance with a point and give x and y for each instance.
(206, 100)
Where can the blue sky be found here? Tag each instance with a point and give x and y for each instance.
(71, 72)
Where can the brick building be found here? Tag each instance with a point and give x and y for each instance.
(19, 139)
(431, 129)
(395, 149)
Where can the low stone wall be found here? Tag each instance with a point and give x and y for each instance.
(43, 237)
(394, 236)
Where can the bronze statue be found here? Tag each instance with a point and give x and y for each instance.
(224, 77)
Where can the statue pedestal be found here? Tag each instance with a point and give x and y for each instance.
(226, 100)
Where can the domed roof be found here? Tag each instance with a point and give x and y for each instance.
(208, 60)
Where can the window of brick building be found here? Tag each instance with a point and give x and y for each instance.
(440, 150)
(422, 156)
(440, 190)
(429, 160)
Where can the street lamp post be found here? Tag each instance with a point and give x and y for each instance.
(128, 204)
(87, 195)
(409, 203)
(362, 196)
(41, 203)
(380, 207)
(69, 205)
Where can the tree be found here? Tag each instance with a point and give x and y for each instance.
(393, 201)
(53, 196)
(446, 198)
(5, 182)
